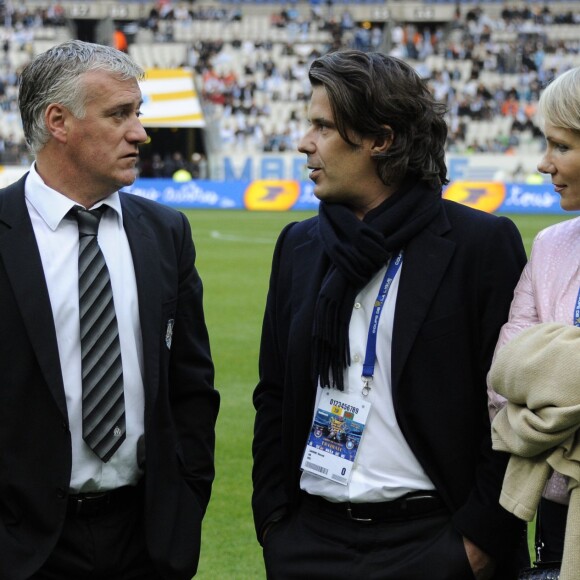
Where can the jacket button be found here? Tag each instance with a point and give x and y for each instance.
(60, 493)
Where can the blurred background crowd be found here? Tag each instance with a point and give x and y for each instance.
(486, 60)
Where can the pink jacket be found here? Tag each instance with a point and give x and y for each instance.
(547, 292)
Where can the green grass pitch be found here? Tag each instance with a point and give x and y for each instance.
(234, 252)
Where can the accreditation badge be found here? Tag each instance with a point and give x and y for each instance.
(335, 435)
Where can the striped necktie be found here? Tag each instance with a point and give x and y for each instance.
(102, 370)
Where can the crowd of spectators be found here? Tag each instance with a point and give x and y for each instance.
(483, 76)
(488, 71)
(17, 32)
(481, 80)
(175, 165)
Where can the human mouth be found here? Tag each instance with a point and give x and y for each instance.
(133, 157)
(558, 188)
(314, 173)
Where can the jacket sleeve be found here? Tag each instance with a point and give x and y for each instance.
(523, 314)
(481, 518)
(194, 401)
(269, 498)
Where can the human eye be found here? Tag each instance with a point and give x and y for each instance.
(556, 146)
(122, 113)
(118, 114)
(322, 127)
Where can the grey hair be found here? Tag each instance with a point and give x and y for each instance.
(53, 77)
(559, 104)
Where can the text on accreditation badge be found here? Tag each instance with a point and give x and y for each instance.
(335, 435)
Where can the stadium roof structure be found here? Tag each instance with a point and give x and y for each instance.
(170, 99)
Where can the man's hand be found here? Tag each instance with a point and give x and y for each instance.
(482, 565)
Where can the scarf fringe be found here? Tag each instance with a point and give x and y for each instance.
(330, 343)
(357, 250)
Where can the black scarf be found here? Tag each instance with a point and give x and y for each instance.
(357, 250)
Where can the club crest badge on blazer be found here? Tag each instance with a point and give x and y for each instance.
(169, 333)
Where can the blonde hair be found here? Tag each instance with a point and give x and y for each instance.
(559, 104)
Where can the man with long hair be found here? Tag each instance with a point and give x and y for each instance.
(383, 310)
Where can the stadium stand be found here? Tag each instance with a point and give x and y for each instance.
(486, 60)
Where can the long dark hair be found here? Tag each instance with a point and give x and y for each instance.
(370, 90)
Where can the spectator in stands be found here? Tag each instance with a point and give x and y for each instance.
(518, 174)
(173, 162)
(120, 40)
(420, 497)
(107, 405)
(198, 166)
(511, 105)
(157, 165)
(548, 293)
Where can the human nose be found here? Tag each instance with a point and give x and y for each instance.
(545, 165)
(306, 144)
(137, 133)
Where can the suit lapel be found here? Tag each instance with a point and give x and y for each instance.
(309, 269)
(145, 255)
(426, 260)
(21, 259)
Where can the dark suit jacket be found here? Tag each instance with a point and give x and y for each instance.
(456, 286)
(180, 403)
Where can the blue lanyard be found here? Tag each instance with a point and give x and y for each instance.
(576, 320)
(371, 351)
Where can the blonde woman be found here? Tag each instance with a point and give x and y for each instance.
(549, 288)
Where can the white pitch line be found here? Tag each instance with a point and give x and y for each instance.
(233, 238)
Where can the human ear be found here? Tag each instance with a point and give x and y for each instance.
(55, 118)
(384, 141)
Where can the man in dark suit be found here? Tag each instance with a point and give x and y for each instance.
(372, 450)
(107, 405)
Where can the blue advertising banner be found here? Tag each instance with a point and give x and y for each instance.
(284, 195)
(493, 196)
(190, 194)
(524, 198)
(263, 194)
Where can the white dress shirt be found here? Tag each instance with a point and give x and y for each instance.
(385, 467)
(58, 242)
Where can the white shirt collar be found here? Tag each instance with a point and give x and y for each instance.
(53, 206)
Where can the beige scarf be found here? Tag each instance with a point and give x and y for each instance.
(538, 372)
